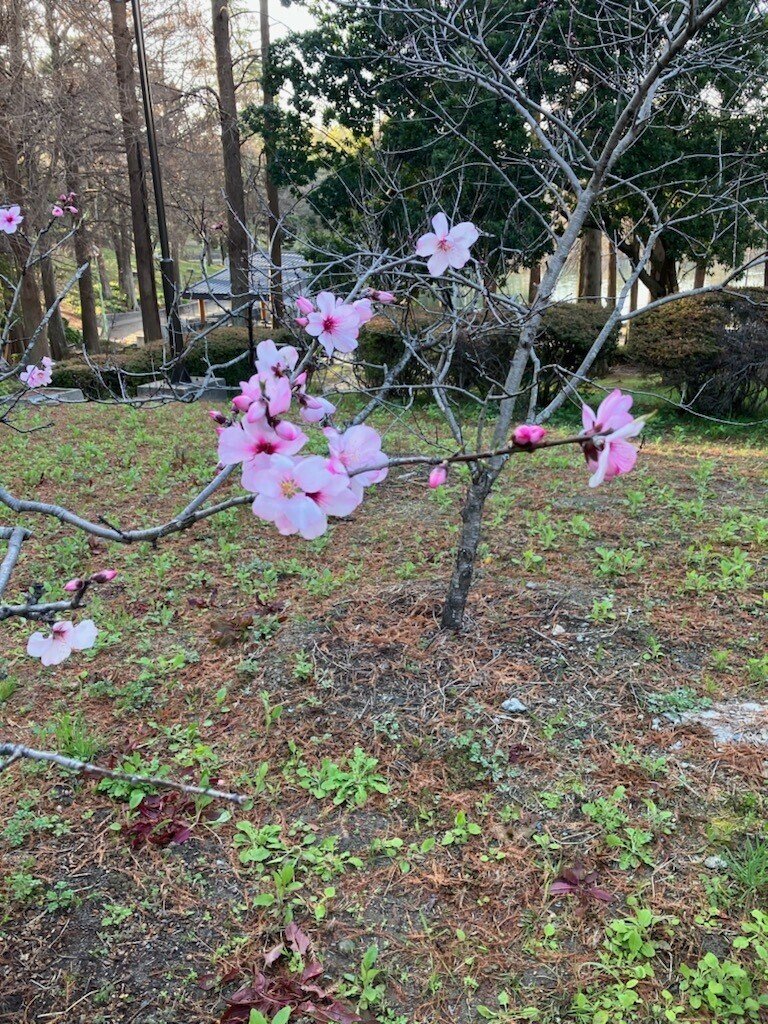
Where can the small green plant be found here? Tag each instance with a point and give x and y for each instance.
(352, 784)
(366, 984)
(749, 867)
(281, 1017)
(462, 830)
(602, 610)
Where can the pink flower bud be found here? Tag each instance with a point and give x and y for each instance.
(378, 296)
(64, 197)
(218, 417)
(241, 403)
(301, 380)
(74, 585)
(304, 305)
(528, 435)
(302, 321)
(73, 210)
(104, 576)
(57, 212)
(438, 476)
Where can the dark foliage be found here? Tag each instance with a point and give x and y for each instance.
(713, 348)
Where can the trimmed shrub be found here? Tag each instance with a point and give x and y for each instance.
(482, 359)
(220, 346)
(713, 348)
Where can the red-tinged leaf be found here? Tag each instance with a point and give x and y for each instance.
(273, 954)
(561, 888)
(313, 970)
(207, 982)
(600, 894)
(298, 940)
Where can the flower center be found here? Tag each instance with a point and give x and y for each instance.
(444, 244)
(330, 324)
(289, 488)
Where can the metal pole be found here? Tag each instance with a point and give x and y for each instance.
(167, 269)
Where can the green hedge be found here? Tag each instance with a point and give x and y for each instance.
(482, 355)
(220, 346)
(713, 348)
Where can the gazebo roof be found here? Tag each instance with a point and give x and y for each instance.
(219, 285)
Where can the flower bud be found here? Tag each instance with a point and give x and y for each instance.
(105, 576)
(304, 305)
(528, 435)
(378, 296)
(74, 585)
(241, 403)
(438, 476)
(302, 321)
(218, 417)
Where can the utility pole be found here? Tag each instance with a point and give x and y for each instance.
(167, 269)
(273, 200)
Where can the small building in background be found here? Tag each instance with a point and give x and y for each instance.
(217, 288)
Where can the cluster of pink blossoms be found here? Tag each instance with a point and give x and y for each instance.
(297, 493)
(335, 323)
(38, 376)
(65, 636)
(65, 205)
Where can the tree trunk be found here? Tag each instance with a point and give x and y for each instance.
(612, 276)
(472, 518)
(83, 252)
(15, 170)
(273, 200)
(700, 274)
(662, 272)
(122, 241)
(633, 292)
(591, 266)
(230, 148)
(57, 339)
(129, 113)
(534, 280)
(106, 286)
(765, 275)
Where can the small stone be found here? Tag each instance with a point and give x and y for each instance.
(514, 706)
(716, 863)
(558, 630)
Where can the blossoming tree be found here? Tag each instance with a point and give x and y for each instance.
(435, 290)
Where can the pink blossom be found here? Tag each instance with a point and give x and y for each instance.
(447, 246)
(74, 585)
(253, 442)
(305, 305)
(610, 455)
(57, 211)
(334, 324)
(298, 494)
(261, 397)
(10, 218)
(38, 376)
(73, 210)
(364, 310)
(358, 447)
(438, 476)
(104, 576)
(274, 361)
(63, 639)
(528, 435)
(312, 408)
(377, 296)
